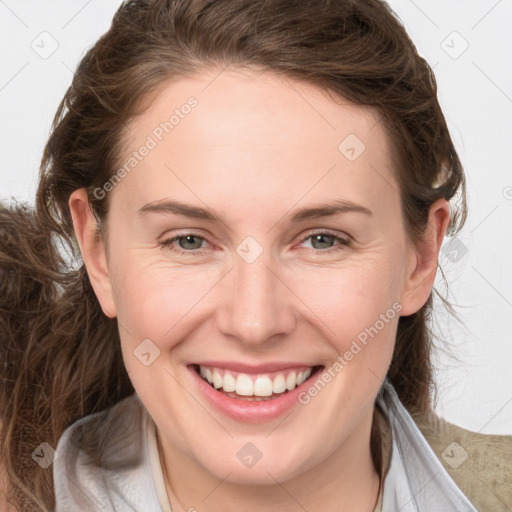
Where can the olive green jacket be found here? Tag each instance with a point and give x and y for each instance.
(480, 464)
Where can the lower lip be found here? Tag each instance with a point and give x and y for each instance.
(251, 411)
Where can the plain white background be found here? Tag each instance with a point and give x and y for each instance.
(469, 45)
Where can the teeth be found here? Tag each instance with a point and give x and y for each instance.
(244, 385)
(301, 377)
(279, 384)
(291, 381)
(217, 379)
(229, 383)
(262, 386)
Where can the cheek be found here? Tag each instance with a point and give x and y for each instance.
(357, 310)
(156, 300)
(352, 296)
(157, 309)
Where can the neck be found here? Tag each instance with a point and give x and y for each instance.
(334, 485)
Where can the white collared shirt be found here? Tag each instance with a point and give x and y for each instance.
(416, 480)
(128, 478)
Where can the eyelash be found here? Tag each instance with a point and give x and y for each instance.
(342, 242)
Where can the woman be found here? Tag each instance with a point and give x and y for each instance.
(281, 361)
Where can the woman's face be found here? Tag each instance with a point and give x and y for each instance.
(293, 256)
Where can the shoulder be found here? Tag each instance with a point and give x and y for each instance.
(480, 464)
(99, 437)
(101, 462)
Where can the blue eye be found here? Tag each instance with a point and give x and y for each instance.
(327, 238)
(191, 243)
(184, 247)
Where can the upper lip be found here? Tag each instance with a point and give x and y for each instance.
(254, 368)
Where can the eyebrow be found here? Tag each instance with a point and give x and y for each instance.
(312, 212)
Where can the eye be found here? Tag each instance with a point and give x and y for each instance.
(186, 244)
(321, 242)
(326, 241)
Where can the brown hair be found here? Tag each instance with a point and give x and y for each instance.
(60, 355)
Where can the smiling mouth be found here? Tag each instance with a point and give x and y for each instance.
(255, 387)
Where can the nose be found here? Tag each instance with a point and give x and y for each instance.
(256, 305)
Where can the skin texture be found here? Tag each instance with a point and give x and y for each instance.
(255, 149)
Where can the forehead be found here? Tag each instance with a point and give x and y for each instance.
(249, 105)
(255, 133)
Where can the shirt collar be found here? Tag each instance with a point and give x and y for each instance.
(415, 480)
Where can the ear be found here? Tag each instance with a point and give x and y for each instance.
(93, 250)
(422, 267)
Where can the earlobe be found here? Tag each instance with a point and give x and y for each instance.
(93, 250)
(422, 268)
